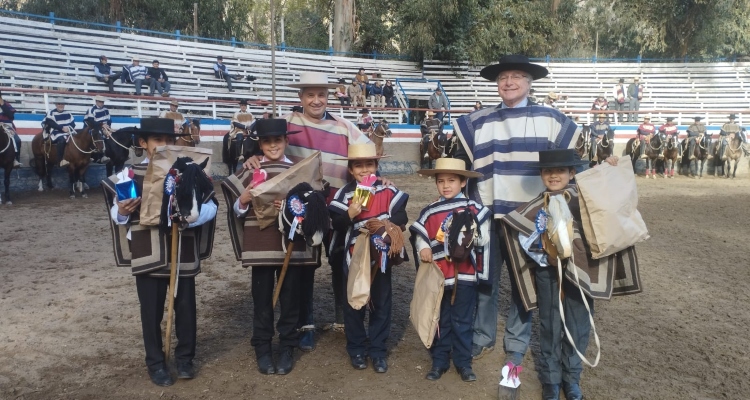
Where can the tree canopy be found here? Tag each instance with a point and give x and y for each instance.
(455, 30)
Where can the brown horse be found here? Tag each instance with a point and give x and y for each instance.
(671, 153)
(654, 146)
(7, 155)
(727, 150)
(77, 152)
(604, 146)
(194, 129)
(432, 146)
(379, 133)
(700, 154)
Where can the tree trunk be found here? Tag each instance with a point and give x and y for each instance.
(343, 25)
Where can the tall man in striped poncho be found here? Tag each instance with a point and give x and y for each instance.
(499, 142)
(319, 130)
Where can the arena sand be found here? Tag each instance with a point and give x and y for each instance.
(70, 326)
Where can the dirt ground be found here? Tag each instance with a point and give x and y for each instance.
(70, 329)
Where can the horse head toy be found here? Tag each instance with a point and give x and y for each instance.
(185, 187)
(557, 241)
(304, 215)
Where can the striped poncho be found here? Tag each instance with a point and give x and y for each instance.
(332, 136)
(500, 142)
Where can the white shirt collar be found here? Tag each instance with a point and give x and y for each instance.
(523, 103)
(286, 160)
(460, 195)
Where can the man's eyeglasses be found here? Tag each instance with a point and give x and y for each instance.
(513, 78)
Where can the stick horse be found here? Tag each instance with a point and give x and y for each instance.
(303, 216)
(378, 133)
(185, 187)
(433, 143)
(78, 152)
(7, 156)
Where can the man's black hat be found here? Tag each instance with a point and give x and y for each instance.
(271, 127)
(219, 57)
(622, 80)
(155, 62)
(513, 62)
(364, 110)
(342, 80)
(732, 116)
(557, 158)
(670, 119)
(243, 102)
(102, 57)
(157, 127)
(698, 118)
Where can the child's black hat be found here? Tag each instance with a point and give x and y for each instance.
(271, 127)
(557, 158)
(157, 127)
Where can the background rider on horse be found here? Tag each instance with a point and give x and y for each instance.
(644, 133)
(598, 130)
(697, 129)
(97, 117)
(58, 126)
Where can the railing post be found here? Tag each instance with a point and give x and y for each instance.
(330, 50)
(177, 34)
(52, 17)
(140, 111)
(213, 110)
(283, 46)
(374, 54)
(547, 58)
(638, 58)
(234, 42)
(118, 27)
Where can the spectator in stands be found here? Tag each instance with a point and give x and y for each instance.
(550, 99)
(59, 125)
(179, 121)
(477, 105)
(344, 99)
(7, 115)
(438, 102)
(635, 94)
(222, 72)
(532, 97)
(135, 74)
(644, 132)
(389, 95)
(104, 73)
(159, 80)
(364, 122)
(619, 95)
(362, 81)
(97, 117)
(376, 95)
(600, 104)
(356, 94)
(242, 121)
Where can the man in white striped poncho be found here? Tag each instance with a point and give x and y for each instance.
(499, 142)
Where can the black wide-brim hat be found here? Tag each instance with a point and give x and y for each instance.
(158, 127)
(513, 62)
(557, 158)
(271, 127)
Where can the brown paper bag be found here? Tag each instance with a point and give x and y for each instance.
(158, 167)
(358, 282)
(308, 170)
(608, 198)
(424, 310)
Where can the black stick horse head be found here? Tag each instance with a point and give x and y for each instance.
(185, 187)
(304, 215)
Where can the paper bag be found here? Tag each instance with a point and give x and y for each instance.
(358, 282)
(608, 199)
(424, 310)
(158, 167)
(308, 170)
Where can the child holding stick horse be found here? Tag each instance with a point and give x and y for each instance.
(383, 207)
(263, 251)
(146, 250)
(451, 225)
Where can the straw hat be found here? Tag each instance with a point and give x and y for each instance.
(174, 103)
(449, 166)
(59, 100)
(602, 115)
(136, 58)
(313, 80)
(552, 95)
(636, 79)
(362, 151)
(648, 117)
(99, 98)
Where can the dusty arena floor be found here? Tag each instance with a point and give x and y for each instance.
(70, 328)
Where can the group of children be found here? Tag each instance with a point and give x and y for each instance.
(453, 233)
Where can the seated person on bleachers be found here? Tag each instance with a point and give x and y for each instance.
(59, 125)
(389, 95)
(344, 99)
(356, 95)
(600, 104)
(532, 97)
(7, 115)
(222, 72)
(477, 105)
(376, 95)
(104, 73)
(364, 122)
(135, 74)
(362, 80)
(550, 100)
(97, 117)
(179, 121)
(159, 80)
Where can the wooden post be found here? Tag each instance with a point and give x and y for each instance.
(170, 295)
(195, 21)
(289, 248)
(273, 57)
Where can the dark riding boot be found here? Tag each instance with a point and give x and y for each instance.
(61, 152)
(643, 147)
(592, 149)
(238, 142)
(691, 148)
